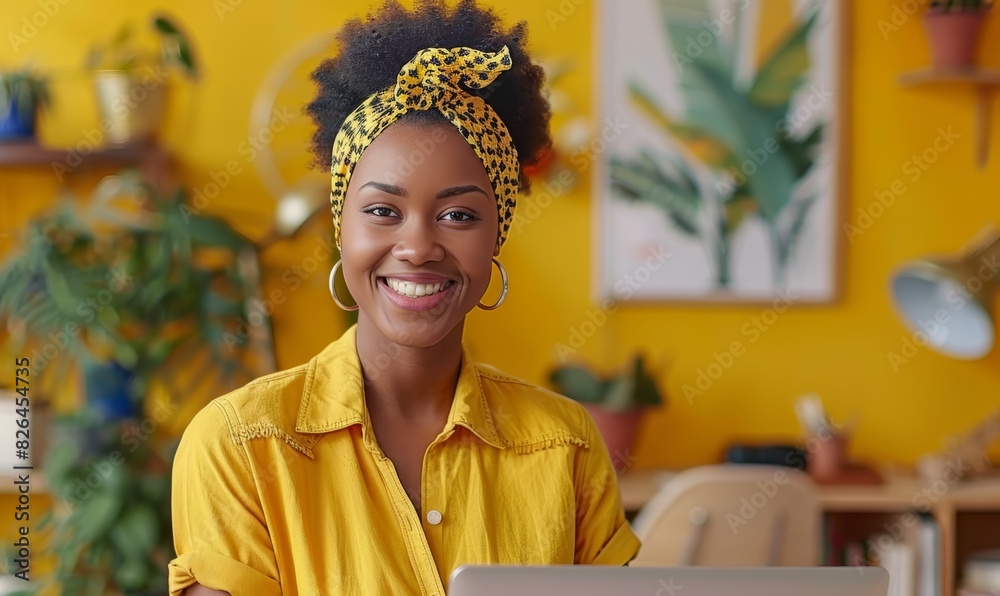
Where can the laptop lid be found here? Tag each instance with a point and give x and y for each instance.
(592, 580)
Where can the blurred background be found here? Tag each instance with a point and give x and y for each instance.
(156, 258)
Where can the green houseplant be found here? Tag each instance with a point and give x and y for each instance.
(617, 402)
(133, 294)
(953, 28)
(23, 93)
(131, 83)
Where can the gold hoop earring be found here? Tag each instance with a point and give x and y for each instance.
(503, 293)
(333, 289)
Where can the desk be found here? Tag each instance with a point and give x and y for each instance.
(899, 495)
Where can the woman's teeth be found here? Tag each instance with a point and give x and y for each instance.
(412, 290)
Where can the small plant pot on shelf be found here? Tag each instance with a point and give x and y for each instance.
(132, 106)
(16, 123)
(616, 402)
(828, 456)
(953, 37)
(23, 94)
(618, 429)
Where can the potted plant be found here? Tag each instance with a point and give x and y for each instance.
(130, 83)
(145, 301)
(953, 31)
(22, 95)
(617, 402)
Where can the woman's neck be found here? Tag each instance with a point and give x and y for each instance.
(408, 382)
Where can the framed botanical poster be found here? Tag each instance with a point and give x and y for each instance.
(722, 177)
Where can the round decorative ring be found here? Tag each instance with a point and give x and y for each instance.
(333, 289)
(503, 293)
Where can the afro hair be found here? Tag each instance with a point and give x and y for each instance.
(372, 50)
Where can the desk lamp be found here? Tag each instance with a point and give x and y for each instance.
(951, 299)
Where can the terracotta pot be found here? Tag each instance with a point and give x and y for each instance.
(618, 428)
(827, 457)
(953, 37)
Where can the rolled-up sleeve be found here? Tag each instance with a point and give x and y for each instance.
(604, 536)
(220, 533)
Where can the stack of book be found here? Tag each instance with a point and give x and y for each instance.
(982, 574)
(912, 560)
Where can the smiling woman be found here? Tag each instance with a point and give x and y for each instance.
(390, 459)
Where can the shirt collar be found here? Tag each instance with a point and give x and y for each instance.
(334, 396)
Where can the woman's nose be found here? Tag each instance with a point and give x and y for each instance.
(418, 243)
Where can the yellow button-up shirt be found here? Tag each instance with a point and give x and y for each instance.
(281, 488)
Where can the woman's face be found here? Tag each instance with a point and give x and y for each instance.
(418, 230)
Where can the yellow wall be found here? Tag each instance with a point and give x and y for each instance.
(838, 351)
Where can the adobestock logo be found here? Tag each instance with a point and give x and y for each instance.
(900, 15)
(87, 310)
(749, 508)
(753, 329)
(30, 26)
(249, 148)
(668, 588)
(738, 175)
(914, 168)
(558, 184)
(696, 44)
(148, 81)
(624, 288)
(563, 11)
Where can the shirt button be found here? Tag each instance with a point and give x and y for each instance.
(433, 517)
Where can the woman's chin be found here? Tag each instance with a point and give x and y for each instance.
(415, 330)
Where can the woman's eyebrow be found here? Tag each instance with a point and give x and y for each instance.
(386, 188)
(444, 194)
(460, 190)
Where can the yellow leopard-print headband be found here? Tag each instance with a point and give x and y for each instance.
(432, 80)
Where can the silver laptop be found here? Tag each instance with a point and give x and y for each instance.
(588, 580)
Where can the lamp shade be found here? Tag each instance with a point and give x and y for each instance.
(950, 299)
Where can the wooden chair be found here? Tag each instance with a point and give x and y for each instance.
(732, 516)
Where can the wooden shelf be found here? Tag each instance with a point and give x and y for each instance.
(862, 505)
(148, 156)
(31, 153)
(985, 81)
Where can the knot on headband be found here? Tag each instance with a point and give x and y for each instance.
(434, 75)
(434, 79)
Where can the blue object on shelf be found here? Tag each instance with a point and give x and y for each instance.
(773, 455)
(15, 123)
(109, 390)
